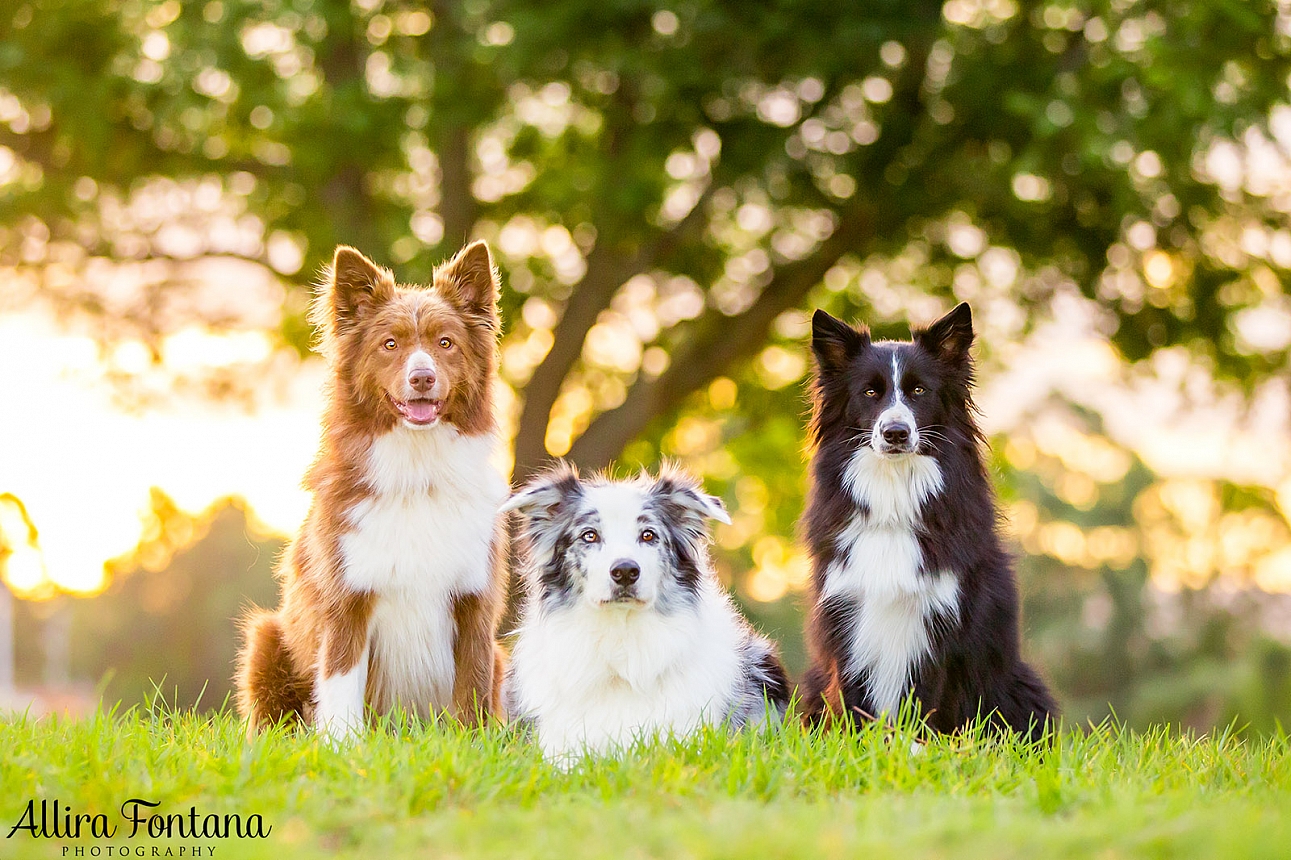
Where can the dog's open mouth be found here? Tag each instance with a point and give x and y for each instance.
(420, 412)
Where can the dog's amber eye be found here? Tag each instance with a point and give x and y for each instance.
(919, 389)
(870, 392)
(648, 536)
(445, 343)
(589, 536)
(391, 344)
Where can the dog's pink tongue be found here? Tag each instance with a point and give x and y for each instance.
(422, 411)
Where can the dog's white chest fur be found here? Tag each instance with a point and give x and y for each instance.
(593, 679)
(420, 540)
(878, 571)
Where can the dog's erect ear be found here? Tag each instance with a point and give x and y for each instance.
(543, 494)
(675, 487)
(470, 282)
(358, 285)
(950, 337)
(834, 342)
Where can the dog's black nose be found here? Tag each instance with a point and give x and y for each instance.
(422, 380)
(625, 572)
(897, 434)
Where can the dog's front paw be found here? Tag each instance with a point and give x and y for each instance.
(338, 733)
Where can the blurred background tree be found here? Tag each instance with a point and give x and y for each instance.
(177, 595)
(164, 627)
(670, 188)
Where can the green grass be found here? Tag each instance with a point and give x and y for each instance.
(439, 791)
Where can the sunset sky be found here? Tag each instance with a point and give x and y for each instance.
(83, 465)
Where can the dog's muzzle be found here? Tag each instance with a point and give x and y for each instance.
(895, 437)
(624, 573)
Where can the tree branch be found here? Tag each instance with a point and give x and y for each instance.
(719, 342)
(608, 267)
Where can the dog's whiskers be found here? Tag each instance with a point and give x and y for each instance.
(862, 437)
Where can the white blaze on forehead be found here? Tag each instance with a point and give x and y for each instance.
(898, 414)
(618, 507)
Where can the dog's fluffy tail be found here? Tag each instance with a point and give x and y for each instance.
(1026, 706)
(269, 689)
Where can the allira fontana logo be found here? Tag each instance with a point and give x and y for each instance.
(50, 819)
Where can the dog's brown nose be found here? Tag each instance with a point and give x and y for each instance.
(422, 380)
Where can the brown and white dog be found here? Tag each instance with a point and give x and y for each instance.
(392, 591)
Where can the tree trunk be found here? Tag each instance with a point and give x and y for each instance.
(457, 204)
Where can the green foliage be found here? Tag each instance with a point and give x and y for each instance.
(406, 789)
(748, 148)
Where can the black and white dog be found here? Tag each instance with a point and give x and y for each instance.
(911, 588)
(626, 630)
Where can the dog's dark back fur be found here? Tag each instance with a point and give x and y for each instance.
(973, 666)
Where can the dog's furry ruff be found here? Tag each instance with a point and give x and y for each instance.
(392, 590)
(592, 677)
